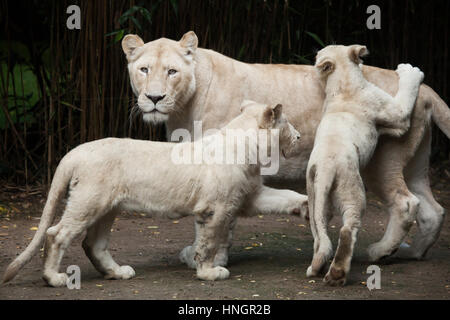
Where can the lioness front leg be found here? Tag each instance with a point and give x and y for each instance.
(280, 201)
(95, 246)
(215, 227)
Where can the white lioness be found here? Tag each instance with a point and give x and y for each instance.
(356, 112)
(109, 175)
(178, 83)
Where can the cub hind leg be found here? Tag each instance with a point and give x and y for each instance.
(95, 246)
(319, 183)
(59, 238)
(350, 197)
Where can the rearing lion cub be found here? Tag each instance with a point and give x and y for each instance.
(355, 113)
(108, 175)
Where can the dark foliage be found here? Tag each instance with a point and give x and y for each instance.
(61, 87)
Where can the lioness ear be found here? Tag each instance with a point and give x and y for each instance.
(325, 66)
(190, 42)
(356, 52)
(130, 42)
(270, 115)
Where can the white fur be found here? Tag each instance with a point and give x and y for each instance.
(356, 112)
(109, 175)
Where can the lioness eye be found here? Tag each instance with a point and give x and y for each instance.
(172, 72)
(144, 70)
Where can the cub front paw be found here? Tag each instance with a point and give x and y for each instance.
(121, 273)
(212, 274)
(403, 68)
(412, 73)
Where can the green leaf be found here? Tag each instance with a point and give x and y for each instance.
(136, 23)
(174, 4)
(112, 33)
(119, 35)
(315, 37)
(146, 14)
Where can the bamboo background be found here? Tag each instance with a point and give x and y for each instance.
(79, 83)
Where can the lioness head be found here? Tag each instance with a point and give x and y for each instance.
(161, 73)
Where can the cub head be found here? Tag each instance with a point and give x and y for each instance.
(271, 117)
(162, 74)
(335, 57)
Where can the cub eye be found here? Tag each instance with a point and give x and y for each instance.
(171, 72)
(144, 70)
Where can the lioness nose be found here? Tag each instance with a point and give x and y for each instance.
(155, 99)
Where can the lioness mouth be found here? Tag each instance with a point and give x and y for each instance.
(153, 111)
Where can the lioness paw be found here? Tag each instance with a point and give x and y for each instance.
(187, 257)
(310, 273)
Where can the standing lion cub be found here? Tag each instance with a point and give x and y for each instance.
(109, 175)
(355, 113)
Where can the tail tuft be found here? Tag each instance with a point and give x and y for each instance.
(11, 271)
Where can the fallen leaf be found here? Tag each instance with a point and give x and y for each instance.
(152, 227)
(33, 228)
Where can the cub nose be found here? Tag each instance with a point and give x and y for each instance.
(155, 99)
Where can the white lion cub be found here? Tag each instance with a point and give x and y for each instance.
(109, 175)
(355, 113)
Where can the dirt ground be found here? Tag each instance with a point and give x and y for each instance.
(268, 259)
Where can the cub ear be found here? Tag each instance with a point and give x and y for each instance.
(270, 115)
(356, 52)
(325, 66)
(246, 103)
(129, 43)
(278, 109)
(189, 41)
